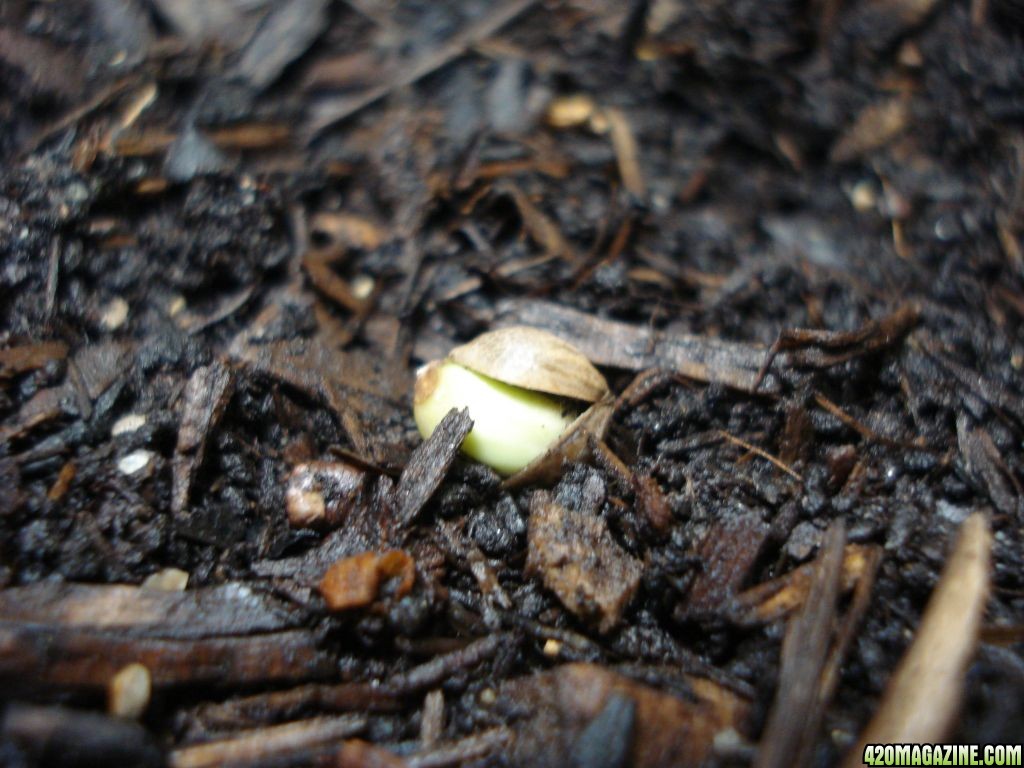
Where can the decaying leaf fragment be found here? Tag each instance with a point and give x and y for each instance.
(574, 554)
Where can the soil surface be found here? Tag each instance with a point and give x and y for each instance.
(789, 234)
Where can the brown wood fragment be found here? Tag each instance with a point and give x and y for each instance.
(795, 715)
(206, 397)
(636, 348)
(777, 598)
(664, 730)
(79, 636)
(924, 694)
(40, 659)
(295, 741)
(429, 464)
(464, 751)
(128, 611)
(15, 361)
(396, 693)
(726, 553)
(577, 559)
(64, 479)
(986, 466)
(862, 429)
(356, 753)
(626, 152)
(355, 581)
(432, 718)
(91, 370)
(542, 229)
(335, 111)
(822, 349)
(874, 127)
(333, 286)
(763, 454)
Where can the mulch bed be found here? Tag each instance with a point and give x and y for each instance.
(790, 236)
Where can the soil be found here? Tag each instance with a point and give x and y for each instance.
(231, 231)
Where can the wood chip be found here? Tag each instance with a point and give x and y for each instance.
(15, 361)
(288, 742)
(924, 694)
(795, 715)
(576, 557)
(285, 33)
(779, 597)
(355, 581)
(429, 464)
(875, 126)
(726, 555)
(627, 152)
(206, 397)
(584, 709)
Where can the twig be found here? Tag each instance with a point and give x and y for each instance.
(923, 695)
(336, 111)
(795, 715)
(763, 454)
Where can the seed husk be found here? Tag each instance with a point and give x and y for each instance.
(527, 392)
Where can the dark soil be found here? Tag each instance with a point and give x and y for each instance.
(247, 223)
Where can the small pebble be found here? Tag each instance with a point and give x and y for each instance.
(128, 692)
(114, 314)
(362, 286)
(128, 423)
(135, 462)
(167, 580)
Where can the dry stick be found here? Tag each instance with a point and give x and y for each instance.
(763, 454)
(862, 429)
(829, 679)
(424, 66)
(91, 105)
(795, 715)
(923, 696)
(263, 744)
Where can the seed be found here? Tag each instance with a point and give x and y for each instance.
(523, 387)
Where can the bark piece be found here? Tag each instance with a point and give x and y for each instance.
(80, 636)
(230, 609)
(429, 464)
(923, 696)
(206, 397)
(17, 360)
(291, 743)
(726, 554)
(286, 32)
(795, 716)
(584, 709)
(779, 597)
(577, 559)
